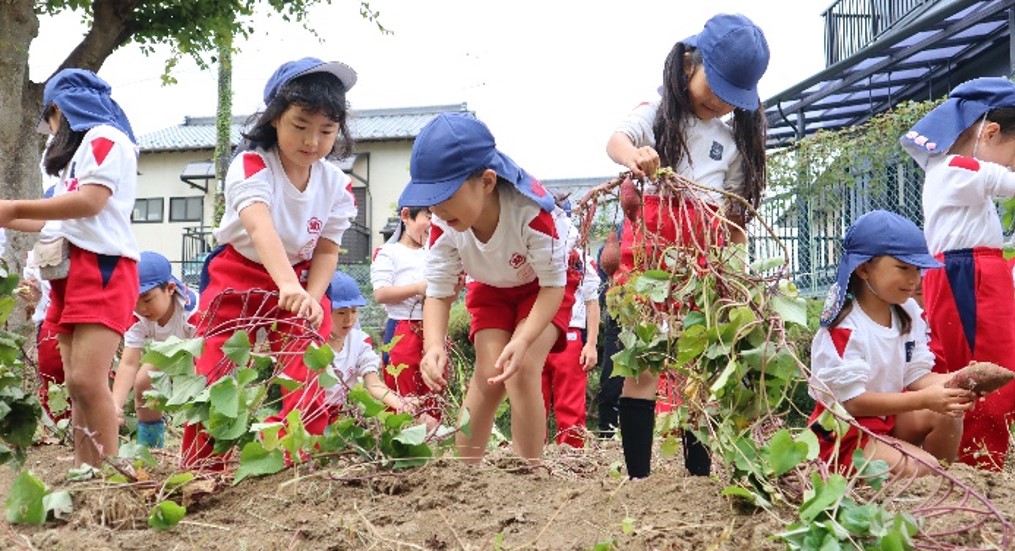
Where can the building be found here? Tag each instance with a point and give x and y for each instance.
(174, 211)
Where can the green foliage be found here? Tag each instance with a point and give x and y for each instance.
(166, 515)
(20, 410)
(29, 501)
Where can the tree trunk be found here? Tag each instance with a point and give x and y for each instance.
(20, 98)
(223, 120)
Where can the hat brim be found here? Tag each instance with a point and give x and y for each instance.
(343, 72)
(421, 193)
(357, 303)
(922, 261)
(730, 93)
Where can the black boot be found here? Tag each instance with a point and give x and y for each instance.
(637, 423)
(696, 457)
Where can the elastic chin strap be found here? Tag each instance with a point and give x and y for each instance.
(871, 289)
(979, 132)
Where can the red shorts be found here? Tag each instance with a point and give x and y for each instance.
(851, 441)
(504, 307)
(105, 292)
(663, 216)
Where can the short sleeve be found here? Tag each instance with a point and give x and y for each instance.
(368, 361)
(548, 243)
(443, 261)
(637, 125)
(589, 289)
(382, 269)
(837, 361)
(248, 181)
(136, 336)
(735, 180)
(104, 162)
(343, 211)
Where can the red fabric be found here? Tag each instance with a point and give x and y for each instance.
(504, 307)
(967, 163)
(100, 149)
(252, 164)
(544, 224)
(564, 383)
(409, 351)
(662, 215)
(101, 298)
(850, 442)
(50, 366)
(231, 270)
(840, 338)
(987, 424)
(667, 393)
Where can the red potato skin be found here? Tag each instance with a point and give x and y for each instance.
(981, 377)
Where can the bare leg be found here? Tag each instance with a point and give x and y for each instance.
(482, 398)
(143, 382)
(88, 354)
(525, 392)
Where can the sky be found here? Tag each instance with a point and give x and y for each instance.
(550, 78)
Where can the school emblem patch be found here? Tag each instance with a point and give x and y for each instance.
(516, 260)
(715, 153)
(314, 226)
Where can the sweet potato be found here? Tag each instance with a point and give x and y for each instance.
(609, 260)
(981, 377)
(630, 200)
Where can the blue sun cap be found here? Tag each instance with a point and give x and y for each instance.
(877, 233)
(450, 148)
(937, 131)
(85, 101)
(305, 66)
(344, 292)
(735, 54)
(154, 270)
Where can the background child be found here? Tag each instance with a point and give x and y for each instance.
(355, 360)
(286, 208)
(399, 282)
(967, 148)
(871, 352)
(565, 375)
(86, 238)
(165, 308)
(705, 78)
(501, 226)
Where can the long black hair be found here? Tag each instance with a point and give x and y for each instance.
(315, 93)
(670, 132)
(62, 147)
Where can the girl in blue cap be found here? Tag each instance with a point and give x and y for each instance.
(501, 227)
(355, 361)
(967, 148)
(706, 77)
(85, 237)
(286, 208)
(165, 308)
(871, 353)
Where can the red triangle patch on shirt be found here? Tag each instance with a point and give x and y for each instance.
(252, 164)
(967, 163)
(435, 233)
(543, 223)
(101, 148)
(840, 337)
(349, 189)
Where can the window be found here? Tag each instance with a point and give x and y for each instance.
(186, 209)
(147, 210)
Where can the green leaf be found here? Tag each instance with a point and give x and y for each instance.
(6, 307)
(792, 310)
(24, 500)
(59, 503)
(627, 525)
(166, 515)
(185, 389)
(691, 344)
(723, 378)
(176, 481)
(826, 495)
(808, 437)
(318, 358)
(396, 370)
(753, 498)
(370, 405)
(268, 433)
(245, 376)
(225, 400)
(296, 435)
(464, 419)
(237, 348)
(257, 461)
(137, 452)
(325, 379)
(874, 472)
(174, 345)
(784, 453)
(225, 429)
(766, 264)
(286, 383)
(412, 436)
(669, 446)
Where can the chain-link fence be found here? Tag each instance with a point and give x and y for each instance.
(372, 316)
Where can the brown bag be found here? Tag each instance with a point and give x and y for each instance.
(52, 258)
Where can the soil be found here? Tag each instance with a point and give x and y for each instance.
(576, 501)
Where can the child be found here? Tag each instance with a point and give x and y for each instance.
(86, 237)
(286, 208)
(565, 374)
(705, 78)
(501, 226)
(355, 359)
(967, 148)
(871, 353)
(399, 283)
(165, 308)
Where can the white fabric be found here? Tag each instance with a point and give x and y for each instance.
(115, 167)
(958, 205)
(31, 273)
(356, 359)
(874, 358)
(587, 291)
(144, 330)
(395, 265)
(325, 209)
(516, 254)
(710, 144)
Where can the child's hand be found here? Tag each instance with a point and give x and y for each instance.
(6, 213)
(589, 357)
(948, 401)
(28, 290)
(294, 298)
(643, 162)
(509, 361)
(433, 367)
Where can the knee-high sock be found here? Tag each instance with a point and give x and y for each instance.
(637, 423)
(696, 457)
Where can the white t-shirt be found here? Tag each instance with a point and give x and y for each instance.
(958, 205)
(860, 355)
(325, 209)
(181, 325)
(528, 245)
(356, 359)
(587, 291)
(710, 144)
(394, 264)
(107, 158)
